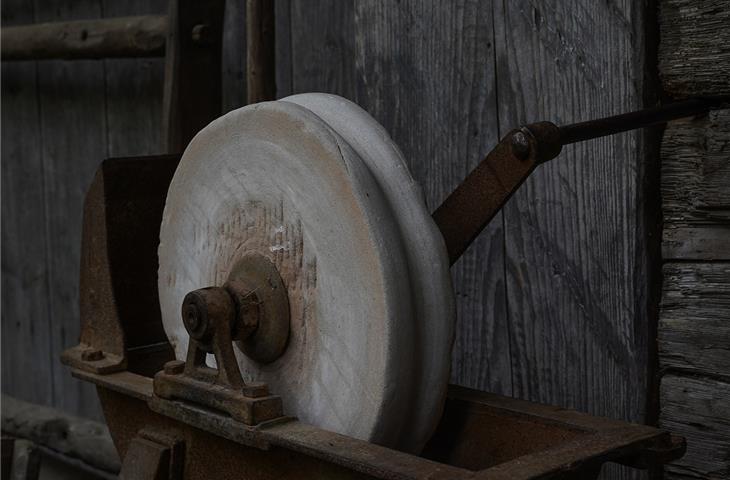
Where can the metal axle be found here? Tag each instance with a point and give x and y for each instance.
(579, 132)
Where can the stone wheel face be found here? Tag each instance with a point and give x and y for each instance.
(315, 185)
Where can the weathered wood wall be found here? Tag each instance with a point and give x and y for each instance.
(59, 120)
(694, 328)
(554, 298)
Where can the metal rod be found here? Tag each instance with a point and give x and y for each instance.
(470, 207)
(141, 36)
(579, 132)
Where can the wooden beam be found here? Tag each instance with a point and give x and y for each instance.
(260, 59)
(141, 36)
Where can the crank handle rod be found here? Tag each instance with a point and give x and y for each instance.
(470, 207)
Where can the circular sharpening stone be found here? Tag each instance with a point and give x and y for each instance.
(315, 184)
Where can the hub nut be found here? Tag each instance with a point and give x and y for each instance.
(520, 145)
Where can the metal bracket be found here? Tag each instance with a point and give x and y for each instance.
(90, 359)
(210, 316)
(154, 455)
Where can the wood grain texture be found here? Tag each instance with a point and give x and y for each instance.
(283, 47)
(234, 55)
(696, 188)
(26, 331)
(424, 70)
(73, 130)
(699, 409)
(60, 119)
(694, 50)
(694, 335)
(133, 91)
(694, 330)
(85, 440)
(575, 241)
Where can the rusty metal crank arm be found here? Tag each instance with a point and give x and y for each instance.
(470, 207)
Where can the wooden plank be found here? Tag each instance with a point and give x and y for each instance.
(133, 92)
(696, 188)
(192, 94)
(260, 51)
(84, 111)
(694, 329)
(698, 408)
(26, 330)
(696, 243)
(695, 170)
(323, 47)
(73, 129)
(425, 70)
(234, 54)
(283, 47)
(575, 238)
(694, 333)
(694, 47)
(76, 438)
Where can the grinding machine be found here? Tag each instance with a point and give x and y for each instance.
(276, 303)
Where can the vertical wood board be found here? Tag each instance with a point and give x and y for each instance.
(60, 120)
(694, 335)
(575, 244)
(26, 331)
(698, 408)
(73, 129)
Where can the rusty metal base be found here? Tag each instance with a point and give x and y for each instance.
(241, 407)
(481, 435)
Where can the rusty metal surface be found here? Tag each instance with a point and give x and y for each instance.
(154, 455)
(103, 363)
(213, 456)
(539, 440)
(212, 316)
(470, 207)
(247, 409)
(480, 435)
(255, 282)
(601, 127)
(119, 307)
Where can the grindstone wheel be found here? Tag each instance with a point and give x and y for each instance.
(316, 186)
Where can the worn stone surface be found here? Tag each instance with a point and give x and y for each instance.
(278, 180)
(428, 269)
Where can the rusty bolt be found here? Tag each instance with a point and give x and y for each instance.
(520, 145)
(202, 34)
(201, 306)
(174, 367)
(92, 355)
(255, 390)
